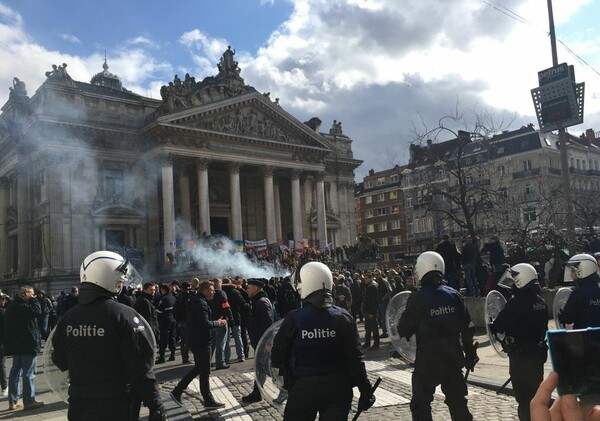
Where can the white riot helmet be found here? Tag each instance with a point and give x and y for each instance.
(429, 261)
(581, 266)
(520, 275)
(109, 271)
(313, 276)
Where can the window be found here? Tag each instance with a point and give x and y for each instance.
(381, 197)
(529, 215)
(394, 178)
(409, 202)
(396, 240)
(395, 209)
(382, 227)
(527, 165)
(381, 211)
(572, 162)
(383, 241)
(113, 183)
(368, 199)
(370, 228)
(381, 181)
(369, 213)
(578, 164)
(394, 194)
(410, 228)
(396, 224)
(596, 165)
(528, 190)
(369, 184)
(501, 171)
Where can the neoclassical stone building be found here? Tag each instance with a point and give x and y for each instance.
(89, 166)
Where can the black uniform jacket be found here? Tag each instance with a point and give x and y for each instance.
(371, 300)
(199, 322)
(21, 332)
(583, 306)
(439, 319)
(261, 317)
(107, 349)
(524, 318)
(315, 341)
(143, 305)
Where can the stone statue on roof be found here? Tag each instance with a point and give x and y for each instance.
(227, 63)
(18, 88)
(336, 128)
(59, 74)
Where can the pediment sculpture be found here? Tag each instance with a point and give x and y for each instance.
(186, 93)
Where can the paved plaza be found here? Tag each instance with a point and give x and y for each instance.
(393, 395)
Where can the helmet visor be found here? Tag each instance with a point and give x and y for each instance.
(507, 280)
(130, 276)
(570, 272)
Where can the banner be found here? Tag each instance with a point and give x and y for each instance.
(258, 245)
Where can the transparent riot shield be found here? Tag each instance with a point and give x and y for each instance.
(560, 300)
(58, 381)
(494, 303)
(406, 348)
(269, 382)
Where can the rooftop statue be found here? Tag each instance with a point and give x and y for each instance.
(336, 128)
(18, 88)
(59, 74)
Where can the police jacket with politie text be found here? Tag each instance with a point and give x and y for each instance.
(107, 350)
(199, 322)
(583, 306)
(261, 317)
(436, 314)
(314, 341)
(524, 319)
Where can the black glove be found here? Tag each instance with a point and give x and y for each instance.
(471, 358)
(159, 414)
(365, 401)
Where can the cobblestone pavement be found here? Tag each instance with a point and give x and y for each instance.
(228, 386)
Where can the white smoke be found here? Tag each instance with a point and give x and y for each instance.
(219, 256)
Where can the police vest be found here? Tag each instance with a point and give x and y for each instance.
(318, 348)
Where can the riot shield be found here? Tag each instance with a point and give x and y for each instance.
(268, 380)
(494, 303)
(58, 381)
(560, 300)
(406, 348)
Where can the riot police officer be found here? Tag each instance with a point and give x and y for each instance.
(437, 316)
(583, 306)
(524, 322)
(318, 352)
(106, 348)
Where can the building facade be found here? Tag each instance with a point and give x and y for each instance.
(90, 166)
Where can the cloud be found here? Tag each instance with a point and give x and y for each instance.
(141, 40)
(70, 38)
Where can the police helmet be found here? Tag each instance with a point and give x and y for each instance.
(108, 270)
(313, 276)
(520, 275)
(581, 265)
(429, 261)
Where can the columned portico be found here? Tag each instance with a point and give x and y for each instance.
(168, 201)
(203, 197)
(321, 216)
(236, 203)
(270, 228)
(296, 206)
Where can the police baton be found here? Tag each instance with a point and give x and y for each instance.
(375, 386)
(475, 346)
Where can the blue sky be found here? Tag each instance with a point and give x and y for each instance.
(385, 68)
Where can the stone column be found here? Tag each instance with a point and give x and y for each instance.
(152, 253)
(203, 197)
(236, 201)
(308, 194)
(184, 204)
(333, 197)
(23, 220)
(277, 209)
(3, 233)
(296, 206)
(321, 217)
(271, 231)
(346, 221)
(168, 202)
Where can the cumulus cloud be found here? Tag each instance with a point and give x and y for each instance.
(141, 40)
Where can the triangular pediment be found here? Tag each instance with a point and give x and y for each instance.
(252, 116)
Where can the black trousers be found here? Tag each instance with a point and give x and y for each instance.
(329, 396)
(168, 331)
(85, 409)
(202, 369)
(526, 373)
(454, 387)
(371, 328)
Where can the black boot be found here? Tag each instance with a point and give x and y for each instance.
(172, 356)
(212, 403)
(254, 396)
(161, 358)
